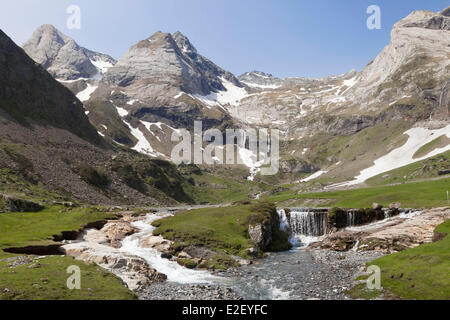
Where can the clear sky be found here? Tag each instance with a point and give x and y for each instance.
(311, 38)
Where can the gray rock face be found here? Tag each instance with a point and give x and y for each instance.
(168, 62)
(419, 43)
(211, 72)
(260, 234)
(296, 166)
(22, 84)
(260, 80)
(162, 79)
(63, 58)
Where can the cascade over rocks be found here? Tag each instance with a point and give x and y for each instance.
(396, 234)
(101, 247)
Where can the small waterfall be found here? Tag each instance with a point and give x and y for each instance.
(308, 223)
(351, 218)
(304, 226)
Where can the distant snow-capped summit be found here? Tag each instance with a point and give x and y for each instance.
(260, 80)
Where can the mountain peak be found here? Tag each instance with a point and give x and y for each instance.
(445, 12)
(28, 92)
(47, 28)
(62, 56)
(426, 20)
(184, 44)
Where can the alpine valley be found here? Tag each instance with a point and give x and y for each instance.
(86, 173)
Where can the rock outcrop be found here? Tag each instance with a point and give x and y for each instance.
(261, 234)
(392, 235)
(116, 231)
(156, 242)
(102, 248)
(14, 204)
(264, 229)
(260, 80)
(133, 270)
(62, 57)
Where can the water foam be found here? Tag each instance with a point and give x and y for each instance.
(174, 271)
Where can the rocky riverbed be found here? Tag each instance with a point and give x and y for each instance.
(177, 291)
(301, 275)
(128, 249)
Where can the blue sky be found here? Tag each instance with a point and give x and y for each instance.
(311, 38)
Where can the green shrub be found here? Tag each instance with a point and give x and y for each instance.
(22, 162)
(129, 176)
(336, 218)
(188, 263)
(93, 176)
(218, 262)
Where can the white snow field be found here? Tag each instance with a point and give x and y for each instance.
(101, 65)
(142, 146)
(232, 96)
(122, 112)
(314, 176)
(403, 155)
(85, 95)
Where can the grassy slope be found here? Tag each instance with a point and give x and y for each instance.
(26, 283)
(413, 195)
(22, 229)
(223, 230)
(37, 228)
(419, 273)
(355, 152)
(14, 184)
(219, 189)
(439, 142)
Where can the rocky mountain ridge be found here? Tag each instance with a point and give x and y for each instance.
(63, 58)
(162, 83)
(23, 82)
(50, 151)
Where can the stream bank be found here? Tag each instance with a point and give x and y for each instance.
(301, 273)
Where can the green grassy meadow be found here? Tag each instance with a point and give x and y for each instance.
(425, 194)
(47, 281)
(421, 273)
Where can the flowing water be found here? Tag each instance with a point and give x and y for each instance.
(295, 268)
(291, 274)
(172, 269)
(388, 220)
(304, 227)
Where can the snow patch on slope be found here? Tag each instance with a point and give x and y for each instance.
(142, 146)
(418, 137)
(232, 96)
(314, 176)
(122, 112)
(85, 95)
(250, 160)
(261, 86)
(131, 102)
(101, 65)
